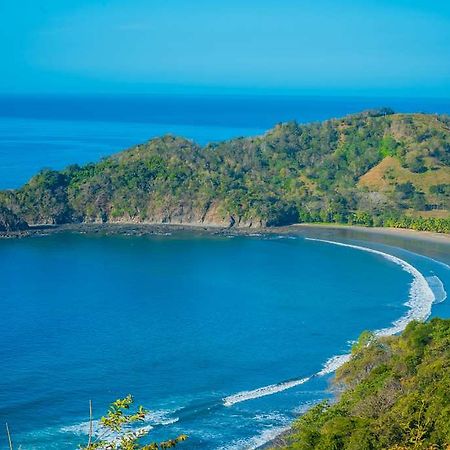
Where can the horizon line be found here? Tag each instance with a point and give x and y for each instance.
(195, 94)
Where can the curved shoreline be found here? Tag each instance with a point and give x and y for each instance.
(432, 245)
(299, 230)
(419, 303)
(421, 296)
(397, 326)
(386, 231)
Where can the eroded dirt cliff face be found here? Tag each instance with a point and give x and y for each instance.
(211, 216)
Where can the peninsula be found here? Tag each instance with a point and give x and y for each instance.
(375, 168)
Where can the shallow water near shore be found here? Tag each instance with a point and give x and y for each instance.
(214, 334)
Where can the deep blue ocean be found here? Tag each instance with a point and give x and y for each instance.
(52, 132)
(226, 339)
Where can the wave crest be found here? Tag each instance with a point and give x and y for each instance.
(420, 301)
(262, 391)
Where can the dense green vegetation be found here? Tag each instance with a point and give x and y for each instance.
(396, 396)
(374, 168)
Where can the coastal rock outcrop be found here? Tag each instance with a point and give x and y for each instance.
(10, 221)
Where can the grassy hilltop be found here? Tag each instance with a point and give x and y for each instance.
(373, 168)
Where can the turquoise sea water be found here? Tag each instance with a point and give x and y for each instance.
(223, 338)
(198, 328)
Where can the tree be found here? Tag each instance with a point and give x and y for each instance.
(417, 165)
(393, 394)
(406, 190)
(118, 430)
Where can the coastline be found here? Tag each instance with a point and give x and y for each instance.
(430, 244)
(330, 231)
(282, 439)
(142, 229)
(388, 231)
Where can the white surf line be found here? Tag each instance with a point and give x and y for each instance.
(255, 442)
(334, 363)
(420, 301)
(262, 391)
(421, 296)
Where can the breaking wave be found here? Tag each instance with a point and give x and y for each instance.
(334, 363)
(152, 419)
(257, 441)
(419, 303)
(263, 391)
(421, 296)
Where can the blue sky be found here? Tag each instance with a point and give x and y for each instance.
(371, 47)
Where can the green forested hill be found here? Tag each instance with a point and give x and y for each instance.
(373, 168)
(396, 396)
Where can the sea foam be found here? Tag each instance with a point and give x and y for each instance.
(419, 303)
(263, 391)
(334, 363)
(421, 296)
(257, 441)
(152, 418)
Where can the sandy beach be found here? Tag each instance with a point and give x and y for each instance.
(402, 232)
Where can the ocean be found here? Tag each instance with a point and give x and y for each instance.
(53, 132)
(226, 339)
